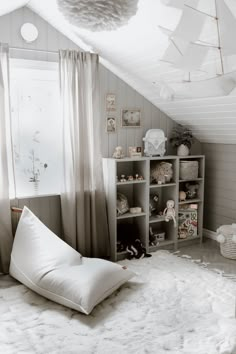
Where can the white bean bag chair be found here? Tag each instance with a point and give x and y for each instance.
(50, 267)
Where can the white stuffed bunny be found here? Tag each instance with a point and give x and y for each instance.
(169, 211)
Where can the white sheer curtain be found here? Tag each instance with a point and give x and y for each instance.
(6, 238)
(83, 201)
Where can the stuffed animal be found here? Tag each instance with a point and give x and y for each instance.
(161, 172)
(129, 241)
(191, 190)
(153, 202)
(118, 153)
(169, 211)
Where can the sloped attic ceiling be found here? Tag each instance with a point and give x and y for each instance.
(133, 53)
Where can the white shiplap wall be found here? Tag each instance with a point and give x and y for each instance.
(220, 185)
(212, 120)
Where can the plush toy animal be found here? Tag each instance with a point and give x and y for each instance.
(129, 241)
(153, 203)
(169, 211)
(191, 190)
(161, 172)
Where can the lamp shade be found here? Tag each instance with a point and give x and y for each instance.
(98, 15)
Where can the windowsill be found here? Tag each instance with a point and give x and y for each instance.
(36, 196)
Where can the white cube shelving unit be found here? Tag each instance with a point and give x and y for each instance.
(138, 193)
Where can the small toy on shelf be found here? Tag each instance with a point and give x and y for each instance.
(122, 205)
(160, 236)
(169, 211)
(118, 153)
(138, 177)
(153, 202)
(161, 172)
(182, 196)
(155, 237)
(122, 178)
(130, 178)
(191, 190)
(152, 238)
(154, 142)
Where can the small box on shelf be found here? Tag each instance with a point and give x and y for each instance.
(155, 236)
(188, 221)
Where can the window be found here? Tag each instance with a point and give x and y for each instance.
(36, 127)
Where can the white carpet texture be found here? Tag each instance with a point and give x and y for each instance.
(173, 306)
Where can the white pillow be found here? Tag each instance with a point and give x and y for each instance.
(46, 264)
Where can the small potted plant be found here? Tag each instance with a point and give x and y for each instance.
(182, 139)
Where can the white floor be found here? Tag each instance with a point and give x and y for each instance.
(209, 252)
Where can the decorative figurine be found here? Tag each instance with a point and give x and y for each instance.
(130, 178)
(154, 142)
(122, 178)
(118, 153)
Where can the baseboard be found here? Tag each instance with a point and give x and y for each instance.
(210, 234)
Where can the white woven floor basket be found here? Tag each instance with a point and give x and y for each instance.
(228, 248)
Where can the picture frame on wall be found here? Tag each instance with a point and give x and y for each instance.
(131, 118)
(110, 124)
(110, 102)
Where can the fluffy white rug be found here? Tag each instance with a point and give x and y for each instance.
(173, 306)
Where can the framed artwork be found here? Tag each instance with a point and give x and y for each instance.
(131, 118)
(110, 102)
(111, 124)
(135, 151)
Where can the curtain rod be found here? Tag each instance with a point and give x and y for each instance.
(34, 50)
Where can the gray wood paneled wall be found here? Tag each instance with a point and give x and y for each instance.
(47, 208)
(51, 40)
(220, 185)
(151, 116)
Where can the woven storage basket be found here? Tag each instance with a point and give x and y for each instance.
(228, 247)
(188, 169)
